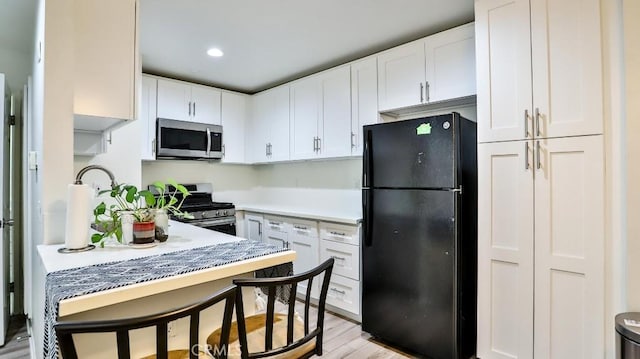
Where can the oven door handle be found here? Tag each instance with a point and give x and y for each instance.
(214, 222)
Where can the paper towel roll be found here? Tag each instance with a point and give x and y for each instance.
(78, 216)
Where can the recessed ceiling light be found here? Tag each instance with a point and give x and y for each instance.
(215, 52)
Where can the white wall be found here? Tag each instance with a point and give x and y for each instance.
(631, 13)
(224, 177)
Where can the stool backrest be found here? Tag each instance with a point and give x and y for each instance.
(121, 327)
(321, 274)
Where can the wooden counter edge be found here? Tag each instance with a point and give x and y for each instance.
(118, 295)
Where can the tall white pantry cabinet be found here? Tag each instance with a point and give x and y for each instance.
(540, 179)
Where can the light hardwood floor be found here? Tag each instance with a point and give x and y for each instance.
(343, 338)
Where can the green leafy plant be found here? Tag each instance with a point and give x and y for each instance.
(140, 203)
(167, 199)
(126, 198)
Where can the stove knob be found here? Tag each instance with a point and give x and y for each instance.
(224, 213)
(217, 213)
(203, 215)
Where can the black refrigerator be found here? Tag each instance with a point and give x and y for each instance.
(419, 250)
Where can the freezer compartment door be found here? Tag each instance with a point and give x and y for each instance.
(408, 270)
(411, 154)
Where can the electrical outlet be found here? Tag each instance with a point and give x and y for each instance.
(171, 330)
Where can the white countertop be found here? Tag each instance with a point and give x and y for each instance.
(333, 215)
(181, 236)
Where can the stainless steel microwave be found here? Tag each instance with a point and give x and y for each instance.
(188, 140)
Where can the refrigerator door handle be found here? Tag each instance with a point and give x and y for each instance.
(366, 157)
(367, 206)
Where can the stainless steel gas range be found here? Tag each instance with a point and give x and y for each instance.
(217, 216)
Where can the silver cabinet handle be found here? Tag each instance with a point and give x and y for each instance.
(338, 233)
(266, 149)
(301, 228)
(189, 108)
(260, 229)
(427, 95)
(319, 144)
(339, 258)
(538, 154)
(537, 114)
(338, 291)
(194, 109)
(153, 146)
(353, 142)
(526, 123)
(421, 92)
(270, 149)
(526, 155)
(315, 146)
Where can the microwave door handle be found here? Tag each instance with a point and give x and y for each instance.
(208, 141)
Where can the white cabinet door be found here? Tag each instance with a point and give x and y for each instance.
(450, 59)
(174, 100)
(401, 75)
(566, 92)
(259, 128)
(505, 250)
(364, 100)
(570, 248)
(205, 105)
(234, 115)
(334, 136)
(104, 67)
(303, 238)
(147, 117)
(277, 238)
(305, 114)
(254, 226)
(503, 68)
(278, 122)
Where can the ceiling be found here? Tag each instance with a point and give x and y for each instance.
(269, 42)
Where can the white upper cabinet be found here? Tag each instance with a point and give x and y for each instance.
(450, 64)
(364, 100)
(437, 68)
(234, 116)
(503, 65)
(188, 102)
(529, 82)
(105, 60)
(567, 94)
(321, 115)
(334, 130)
(305, 97)
(269, 131)
(401, 76)
(147, 117)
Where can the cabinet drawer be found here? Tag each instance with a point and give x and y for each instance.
(346, 258)
(344, 293)
(340, 233)
(272, 223)
(303, 227)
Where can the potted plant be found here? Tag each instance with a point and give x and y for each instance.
(166, 202)
(148, 213)
(127, 200)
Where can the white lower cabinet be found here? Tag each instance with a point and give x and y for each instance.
(254, 226)
(315, 242)
(344, 293)
(275, 231)
(346, 258)
(342, 243)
